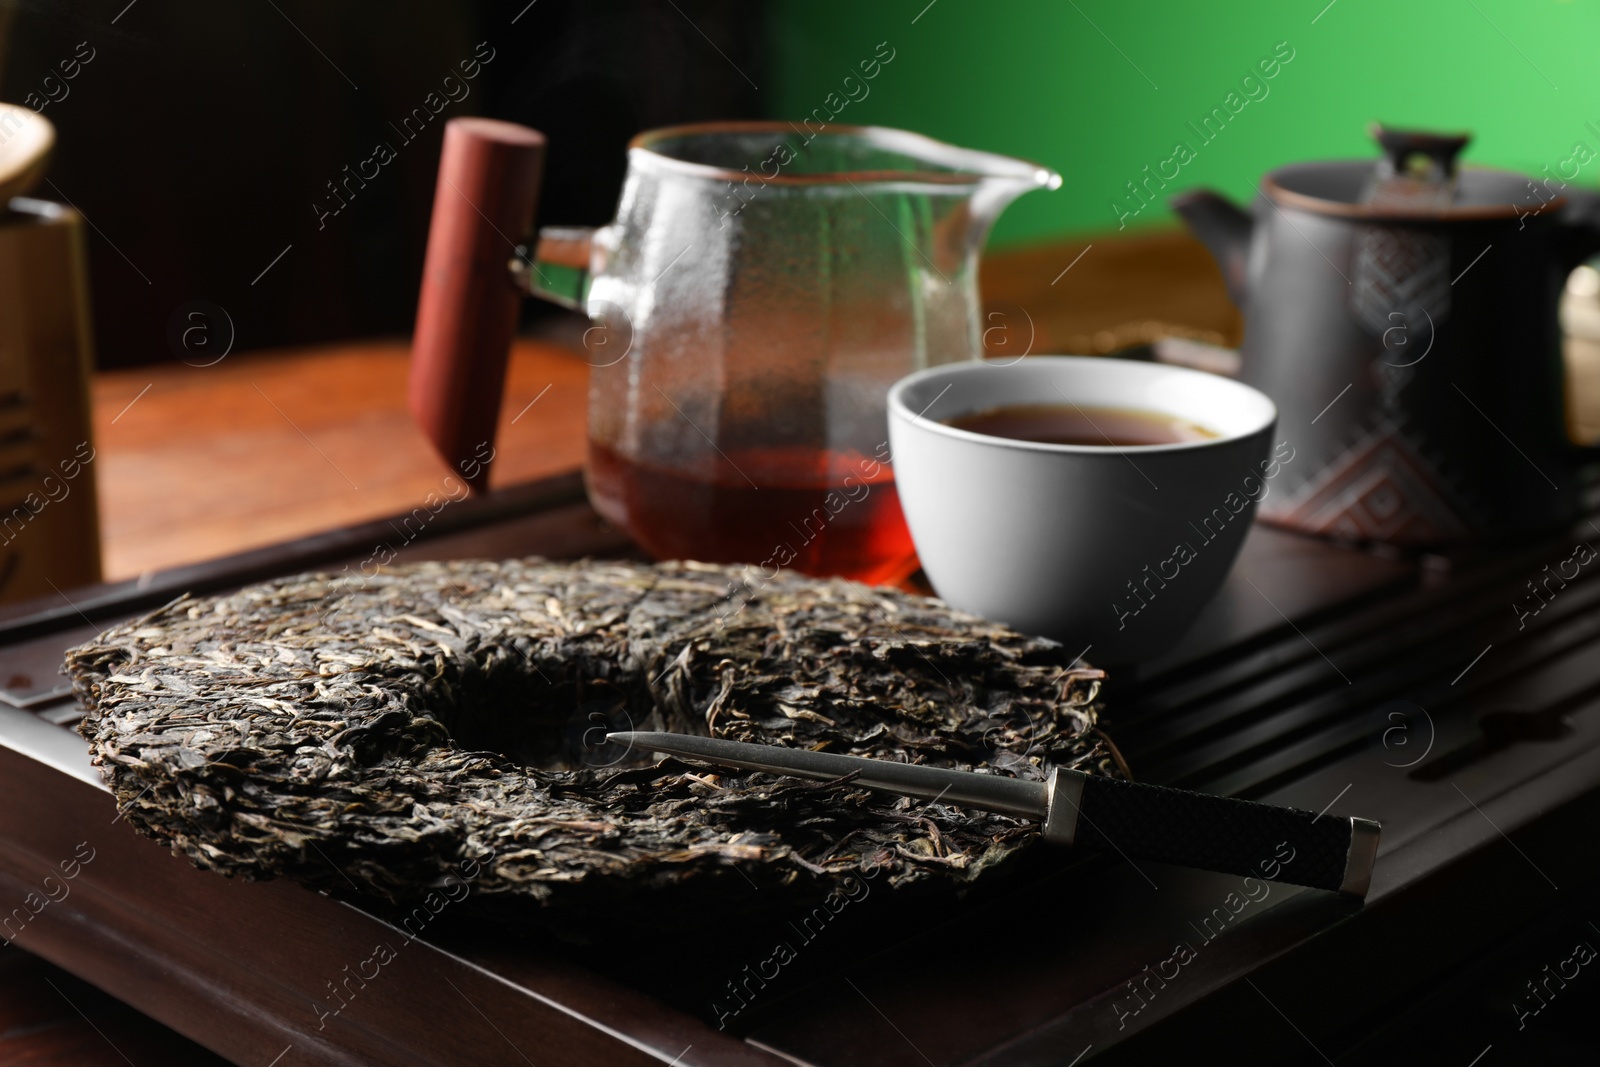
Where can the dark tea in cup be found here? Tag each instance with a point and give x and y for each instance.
(1073, 424)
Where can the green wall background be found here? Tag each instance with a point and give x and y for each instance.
(1098, 100)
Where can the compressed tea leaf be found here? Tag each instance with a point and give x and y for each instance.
(377, 736)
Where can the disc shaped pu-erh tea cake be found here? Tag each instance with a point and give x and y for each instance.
(444, 723)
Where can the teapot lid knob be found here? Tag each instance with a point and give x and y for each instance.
(1403, 149)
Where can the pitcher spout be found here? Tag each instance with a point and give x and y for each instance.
(1224, 228)
(1005, 179)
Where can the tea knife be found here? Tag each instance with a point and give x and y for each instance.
(1137, 820)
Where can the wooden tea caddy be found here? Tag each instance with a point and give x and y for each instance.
(49, 526)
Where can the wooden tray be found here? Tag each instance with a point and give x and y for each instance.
(1284, 691)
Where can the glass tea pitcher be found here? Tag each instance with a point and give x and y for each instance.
(760, 290)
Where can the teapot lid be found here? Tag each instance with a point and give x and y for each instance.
(1416, 178)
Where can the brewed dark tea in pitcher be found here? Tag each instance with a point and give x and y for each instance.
(817, 512)
(762, 287)
(774, 284)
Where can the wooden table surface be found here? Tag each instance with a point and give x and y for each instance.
(267, 446)
(197, 463)
(200, 462)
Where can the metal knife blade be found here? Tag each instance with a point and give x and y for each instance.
(991, 792)
(1136, 820)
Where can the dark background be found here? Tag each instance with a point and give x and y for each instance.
(197, 138)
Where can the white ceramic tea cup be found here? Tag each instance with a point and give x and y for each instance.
(1100, 546)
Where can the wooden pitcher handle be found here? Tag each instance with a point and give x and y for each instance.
(483, 204)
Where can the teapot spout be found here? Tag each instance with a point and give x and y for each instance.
(1224, 228)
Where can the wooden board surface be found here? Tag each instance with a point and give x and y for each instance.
(200, 462)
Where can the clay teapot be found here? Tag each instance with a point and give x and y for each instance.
(1402, 313)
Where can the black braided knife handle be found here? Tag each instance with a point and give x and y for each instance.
(1212, 833)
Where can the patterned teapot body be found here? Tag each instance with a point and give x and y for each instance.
(1403, 316)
